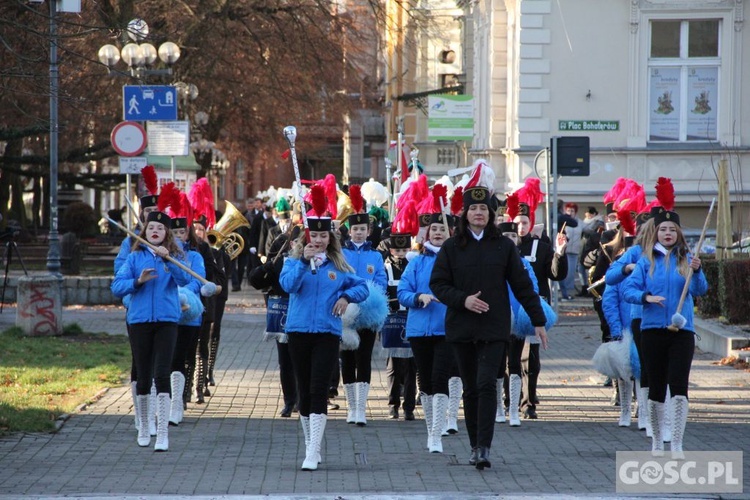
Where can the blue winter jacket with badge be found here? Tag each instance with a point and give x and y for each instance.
(155, 300)
(367, 263)
(312, 296)
(195, 262)
(421, 321)
(616, 274)
(667, 282)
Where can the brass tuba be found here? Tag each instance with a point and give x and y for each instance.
(343, 206)
(223, 235)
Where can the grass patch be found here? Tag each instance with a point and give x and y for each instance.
(42, 378)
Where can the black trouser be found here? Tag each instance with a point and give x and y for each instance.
(401, 372)
(635, 327)
(238, 269)
(668, 356)
(433, 357)
(286, 370)
(606, 334)
(515, 350)
(153, 349)
(479, 363)
(312, 355)
(356, 366)
(185, 335)
(531, 368)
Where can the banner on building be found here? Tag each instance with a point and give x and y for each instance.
(451, 118)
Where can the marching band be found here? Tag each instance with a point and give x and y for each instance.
(454, 295)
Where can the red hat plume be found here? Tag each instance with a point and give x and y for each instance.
(511, 206)
(169, 196)
(439, 197)
(331, 194)
(665, 193)
(202, 201)
(416, 191)
(318, 201)
(457, 201)
(355, 196)
(625, 216)
(614, 192)
(531, 194)
(150, 179)
(407, 220)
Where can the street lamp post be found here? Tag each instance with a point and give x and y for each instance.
(139, 55)
(53, 256)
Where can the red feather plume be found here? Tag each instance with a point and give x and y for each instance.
(169, 196)
(665, 193)
(626, 221)
(202, 201)
(331, 194)
(614, 193)
(457, 201)
(355, 196)
(318, 200)
(439, 192)
(150, 179)
(406, 219)
(175, 208)
(511, 206)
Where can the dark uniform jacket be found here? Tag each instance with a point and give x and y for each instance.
(488, 265)
(546, 263)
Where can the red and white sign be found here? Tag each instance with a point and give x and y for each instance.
(129, 138)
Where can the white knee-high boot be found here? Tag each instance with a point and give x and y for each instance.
(666, 424)
(144, 437)
(455, 390)
(363, 389)
(312, 450)
(305, 423)
(656, 415)
(163, 406)
(427, 409)
(642, 398)
(135, 403)
(626, 396)
(500, 413)
(679, 421)
(152, 410)
(439, 407)
(351, 403)
(515, 400)
(177, 380)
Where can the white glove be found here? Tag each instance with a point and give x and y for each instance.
(208, 289)
(253, 250)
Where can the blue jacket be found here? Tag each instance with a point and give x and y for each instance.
(155, 300)
(312, 296)
(667, 282)
(616, 311)
(196, 263)
(122, 255)
(421, 321)
(367, 263)
(616, 274)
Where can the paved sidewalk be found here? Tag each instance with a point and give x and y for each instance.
(237, 445)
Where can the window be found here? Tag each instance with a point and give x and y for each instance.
(684, 69)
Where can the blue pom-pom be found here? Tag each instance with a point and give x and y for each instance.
(208, 289)
(523, 328)
(194, 309)
(374, 309)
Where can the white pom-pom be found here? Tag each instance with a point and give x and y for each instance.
(679, 321)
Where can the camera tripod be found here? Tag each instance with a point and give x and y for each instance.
(10, 247)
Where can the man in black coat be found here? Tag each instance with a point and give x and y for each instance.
(471, 277)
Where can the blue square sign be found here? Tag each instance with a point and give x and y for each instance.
(149, 102)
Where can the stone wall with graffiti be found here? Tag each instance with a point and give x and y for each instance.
(76, 290)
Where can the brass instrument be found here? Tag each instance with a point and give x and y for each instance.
(593, 286)
(343, 206)
(223, 235)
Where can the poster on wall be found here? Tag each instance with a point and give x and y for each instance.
(451, 118)
(702, 92)
(664, 104)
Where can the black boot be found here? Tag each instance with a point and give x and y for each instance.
(474, 455)
(212, 350)
(200, 368)
(483, 458)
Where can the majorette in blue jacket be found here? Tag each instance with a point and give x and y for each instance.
(312, 296)
(367, 263)
(617, 312)
(616, 274)
(667, 282)
(155, 300)
(195, 262)
(421, 321)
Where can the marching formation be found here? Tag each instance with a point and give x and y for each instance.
(454, 280)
